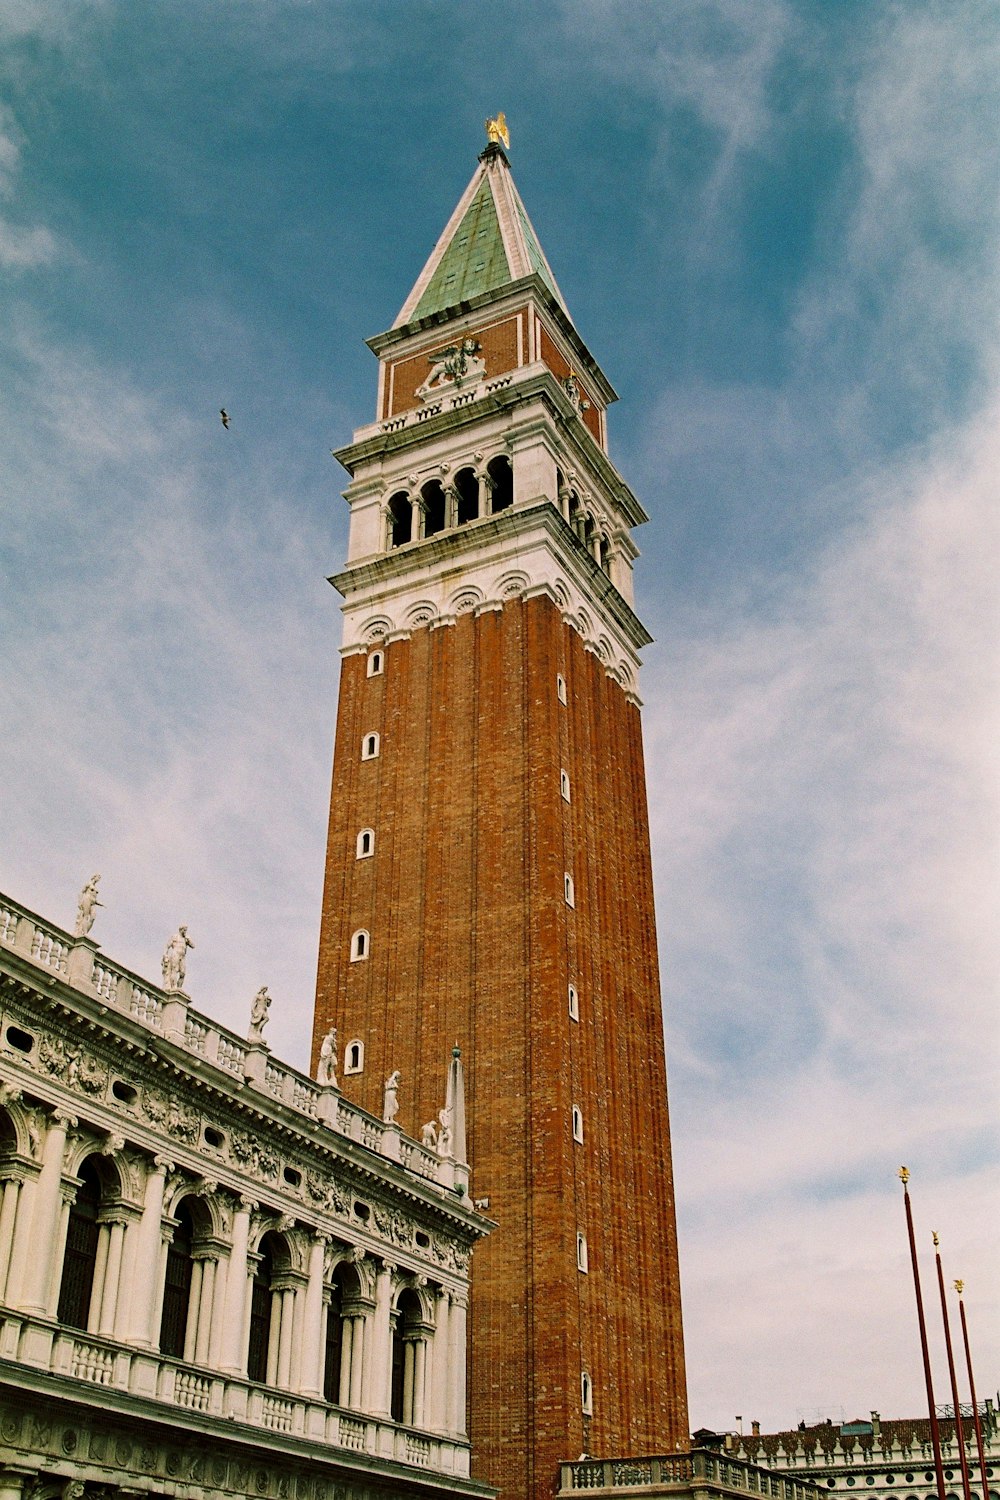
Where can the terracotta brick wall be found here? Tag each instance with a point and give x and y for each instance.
(558, 364)
(472, 941)
(499, 341)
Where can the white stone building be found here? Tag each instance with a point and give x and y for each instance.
(217, 1277)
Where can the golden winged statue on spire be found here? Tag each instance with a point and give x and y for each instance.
(497, 132)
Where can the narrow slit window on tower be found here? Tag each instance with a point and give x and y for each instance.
(568, 891)
(581, 1251)
(376, 664)
(577, 1124)
(360, 944)
(366, 843)
(586, 1394)
(574, 1003)
(369, 746)
(564, 785)
(354, 1057)
(560, 687)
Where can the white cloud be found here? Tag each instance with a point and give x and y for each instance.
(825, 810)
(170, 664)
(22, 247)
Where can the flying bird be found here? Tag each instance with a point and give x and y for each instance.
(225, 416)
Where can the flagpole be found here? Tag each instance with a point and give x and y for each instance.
(980, 1448)
(904, 1177)
(959, 1435)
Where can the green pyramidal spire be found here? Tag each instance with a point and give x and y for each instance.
(488, 242)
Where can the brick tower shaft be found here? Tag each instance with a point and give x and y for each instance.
(488, 876)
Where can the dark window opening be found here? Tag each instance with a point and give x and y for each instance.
(502, 475)
(467, 486)
(124, 1091)
(177, 1286)
(401, 518)
(434, 507)
(260, 1316)
(23, 1041)
(77, 1285)
(333, 1351)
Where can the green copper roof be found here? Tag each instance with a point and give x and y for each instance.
(538, 261)
(474, 262)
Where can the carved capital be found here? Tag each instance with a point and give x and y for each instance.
(63, 1120)
(163, 1165)
(247, 1205)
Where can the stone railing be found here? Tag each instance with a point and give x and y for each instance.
(79, 963)
(125, 1374)
(702, 1468)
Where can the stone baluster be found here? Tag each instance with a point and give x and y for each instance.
(45, 1215)
(148, 1236)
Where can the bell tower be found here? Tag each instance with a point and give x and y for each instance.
(488, 876)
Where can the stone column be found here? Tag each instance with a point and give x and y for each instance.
(21, 1241)
(418, 1418)
(45, 1215)
(147, 1253)
(485, 494)
(409, 1345)
(274, 1338)
(216, 1322)
(419, 518)
(233, 1353)
(346, 1331)
(112, 1275)
(456, 1364)
(450, 507)
(205, 1302)
(59, 1249)
(14, 1481)
(380, 1363)
(357, 1359)
(160, 1282)
(311, 1375)
(193, 1309)
(437, 1414)
(8, 1212)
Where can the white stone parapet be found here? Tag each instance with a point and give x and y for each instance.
(39, 1344)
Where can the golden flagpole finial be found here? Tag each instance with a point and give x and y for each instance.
(496, 131)
(959, 1287)
(904, 1175)
(935, 1235)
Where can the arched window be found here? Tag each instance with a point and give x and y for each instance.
(560, 687)
(574, 1004)
(604, 554)
(467, 490)
(577, 1124)
(586, 1394)
(502, 476)
(568, 890)
(345, 1346)
(581, 1251)
(433, 497)
(564, 785)
(80, 1259)
(354, 1057)
(406, 1334)
(400, 519)
(370, 746)
(360, 944)
(376, 664)
(366, 843)
(177, 1285)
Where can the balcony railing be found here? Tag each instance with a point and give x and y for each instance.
(702, 1467)
(123, 1372)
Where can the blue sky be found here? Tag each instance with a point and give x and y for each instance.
(776, 226)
